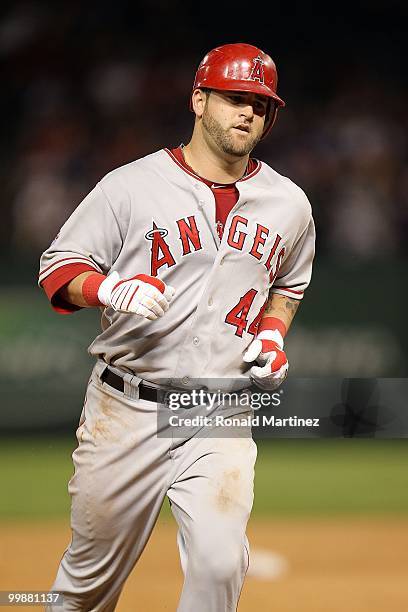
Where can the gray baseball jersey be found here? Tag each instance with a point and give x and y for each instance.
(152, 216)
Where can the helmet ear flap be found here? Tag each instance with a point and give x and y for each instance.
(270, 119)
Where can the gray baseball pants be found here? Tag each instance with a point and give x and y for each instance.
(123, 471)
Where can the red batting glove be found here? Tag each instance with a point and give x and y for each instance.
(142, 295)
(267, 350)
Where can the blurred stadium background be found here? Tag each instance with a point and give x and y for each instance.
(90, 86)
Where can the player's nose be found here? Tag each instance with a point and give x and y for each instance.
(247, 112)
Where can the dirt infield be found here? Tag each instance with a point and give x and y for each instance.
(336, 565)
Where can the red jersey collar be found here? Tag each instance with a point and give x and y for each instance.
(177, 156)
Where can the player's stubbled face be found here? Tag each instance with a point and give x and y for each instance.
(235, 120)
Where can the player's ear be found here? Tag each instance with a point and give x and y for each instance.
(198, 101)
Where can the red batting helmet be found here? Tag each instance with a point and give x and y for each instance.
(241, 67)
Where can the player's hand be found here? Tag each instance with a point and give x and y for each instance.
(142, 295)
(273, 364)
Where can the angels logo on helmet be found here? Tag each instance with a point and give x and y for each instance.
(257, 73)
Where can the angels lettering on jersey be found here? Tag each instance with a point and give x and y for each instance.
(237, 236)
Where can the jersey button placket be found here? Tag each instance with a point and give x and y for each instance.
(196, 341)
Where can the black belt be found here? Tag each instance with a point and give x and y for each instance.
(113, 380)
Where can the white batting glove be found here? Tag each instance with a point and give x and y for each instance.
(267, 350)
(142, 295)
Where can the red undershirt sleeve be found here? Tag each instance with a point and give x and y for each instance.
(56, 280)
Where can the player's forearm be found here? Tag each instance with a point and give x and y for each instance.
(281, 307)
(73, 292)
(267, 348)
(143, 295)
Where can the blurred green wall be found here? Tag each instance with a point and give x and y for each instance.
(350, 325)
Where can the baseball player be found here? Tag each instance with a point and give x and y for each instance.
(197, 258)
